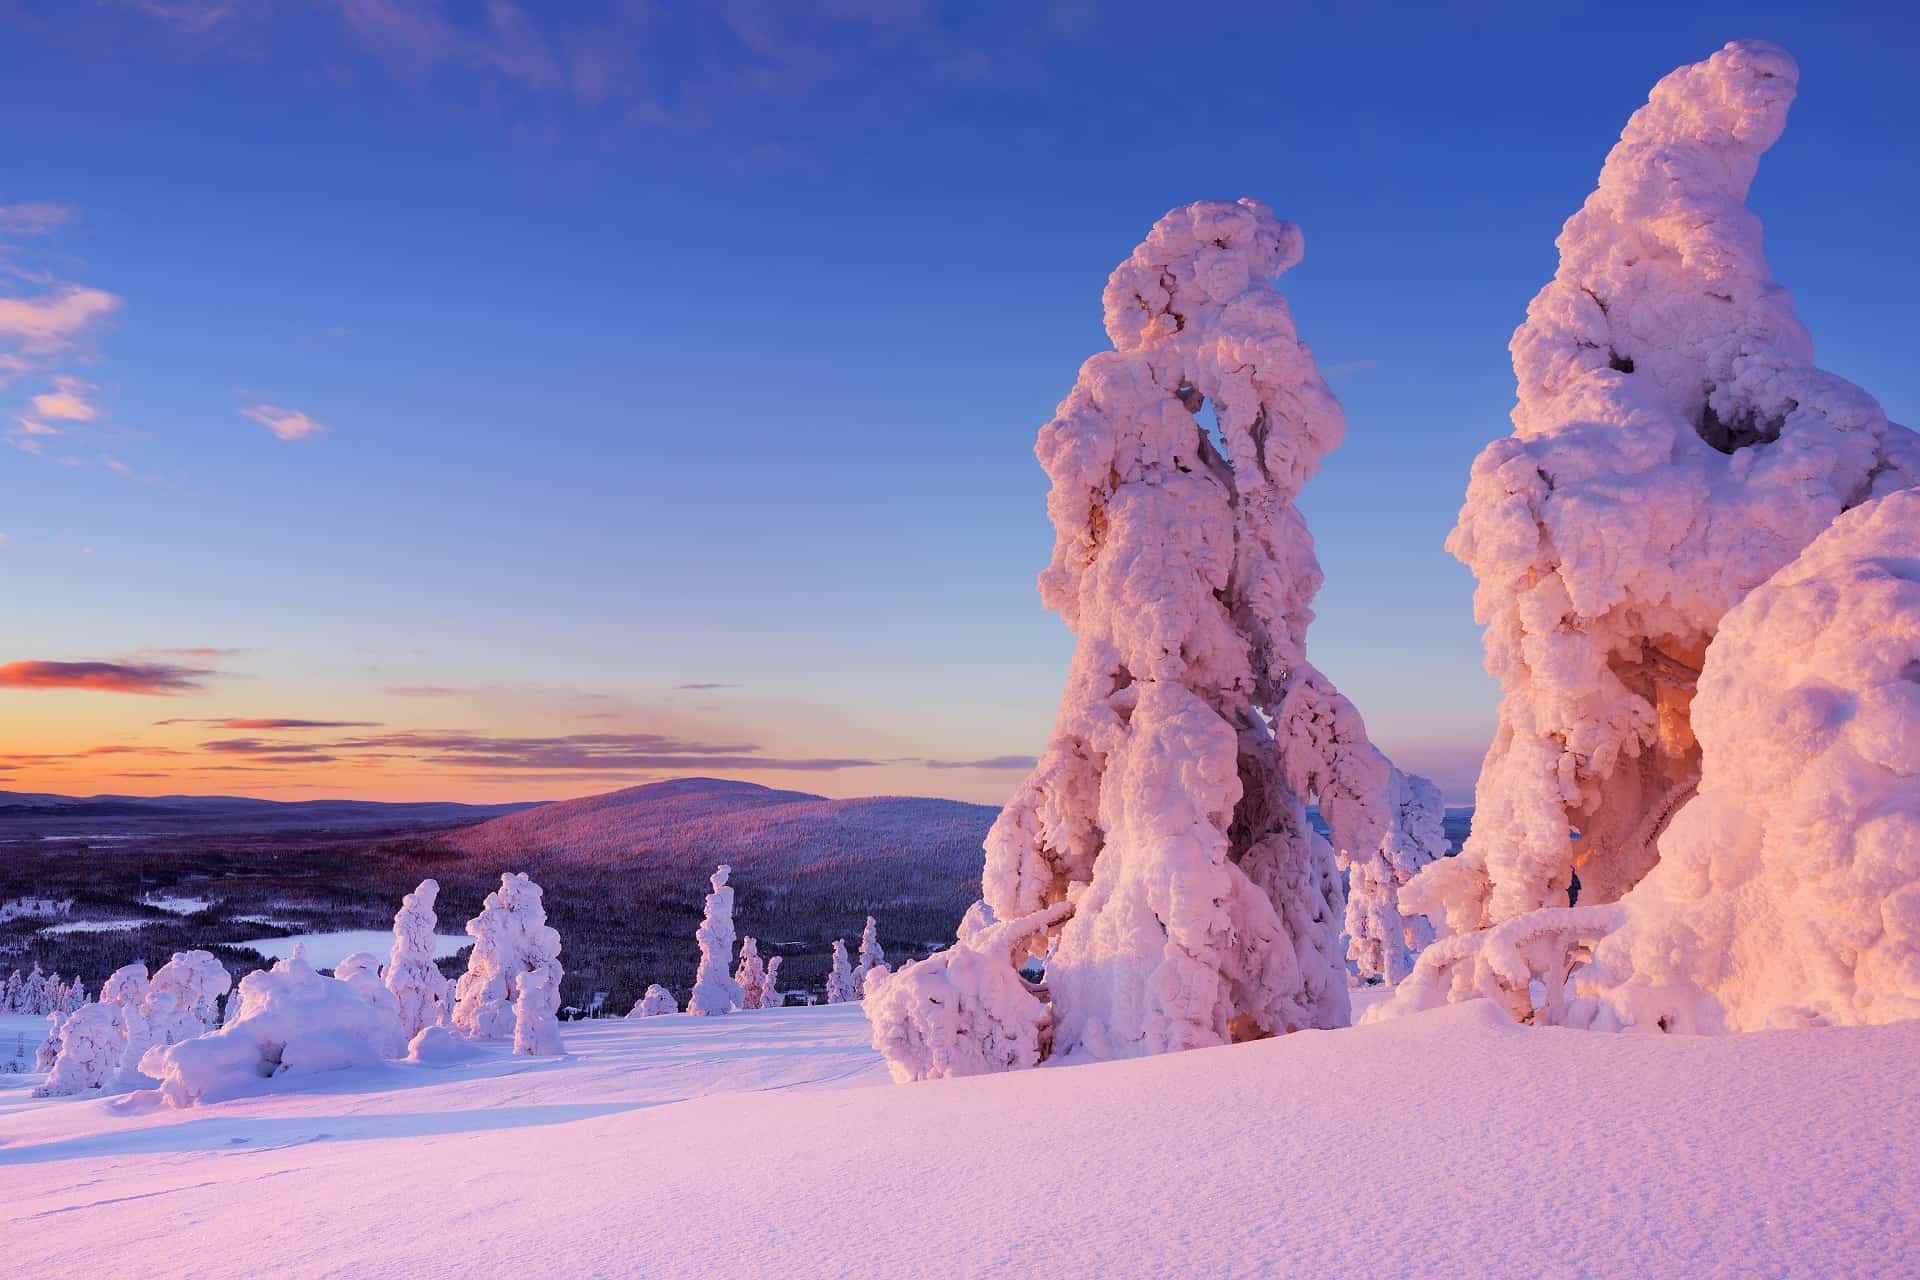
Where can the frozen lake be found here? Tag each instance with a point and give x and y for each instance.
(325, 950)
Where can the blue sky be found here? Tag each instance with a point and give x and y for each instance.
(669, 345)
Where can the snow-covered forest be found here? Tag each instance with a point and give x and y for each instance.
(1658, 1016)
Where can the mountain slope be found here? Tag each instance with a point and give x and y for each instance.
(24, 813)
(627, 871)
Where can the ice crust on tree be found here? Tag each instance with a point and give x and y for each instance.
(511, 938)
(658, 1000)
(361, 972)
(419, 988)
(1673, 447)
(714, 990)
(1170, 805)
(872, 956)
(292, 1021)
(93, 1040)
(841, 988)
(536, 1004)
(1788, 890)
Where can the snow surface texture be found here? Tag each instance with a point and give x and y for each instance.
(292, 1022)
(1788, 1154)
(1788, 889)
(1673, 447)
(511, 938)
(714, 990)
(419, 988)
(1166, 808)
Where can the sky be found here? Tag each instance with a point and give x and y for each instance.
(447, 400)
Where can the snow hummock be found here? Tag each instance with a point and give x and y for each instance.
(1673, 447)
(1682, 1156)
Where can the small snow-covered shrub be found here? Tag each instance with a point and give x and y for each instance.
(657, 1001)
(442, 1046)
(49, 1050)
(714, 990)
(841, 988)
(1381, 940)
(511, 938)
(419, 988)
(771, 997)
(963, 1011)
(293, 1022)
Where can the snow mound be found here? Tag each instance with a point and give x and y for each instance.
(293, 1022)
(657, 1001)
(1788, 889)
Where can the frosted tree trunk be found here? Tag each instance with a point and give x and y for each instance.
(714, 990)
(1673, 446)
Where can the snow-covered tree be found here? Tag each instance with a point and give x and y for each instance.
(714, 990)
(1381, 942)
(657, 1001)
(1673, 447)
(511, 938)
(771, 997)
(93, 1042)
(1170, 805)
(49, 1050)
(419, 989)
(196, 981)
(871, 955)
(841, 988)
(750, 974)
(1788, 889)
(536, 1004)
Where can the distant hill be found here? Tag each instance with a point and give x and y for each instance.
(24, 814)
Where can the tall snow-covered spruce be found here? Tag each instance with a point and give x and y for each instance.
(841, 987)
(714, 990)
(1673, 446)
(1169, 809)
(872, 956)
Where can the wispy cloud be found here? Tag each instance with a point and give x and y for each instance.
(286, 424)
(1348, 368)
(706, 684)
(150, 678)
(32, 219)
(67, 402)
(52, 321)
(275, 722)
(601, 752)
(991, 762)
(426, 691)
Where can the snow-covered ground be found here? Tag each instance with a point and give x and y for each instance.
(771, 1144)
(95, 926)
(325, 950)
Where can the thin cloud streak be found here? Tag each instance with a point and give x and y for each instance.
(146, 678)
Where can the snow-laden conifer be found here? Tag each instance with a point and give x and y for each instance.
(419, 988)
(750, 975)
(656, 1001)
(511, 937)
(841, 988)
(714, 990)
(871, 955)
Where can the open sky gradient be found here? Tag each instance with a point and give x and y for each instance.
(456, 400)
